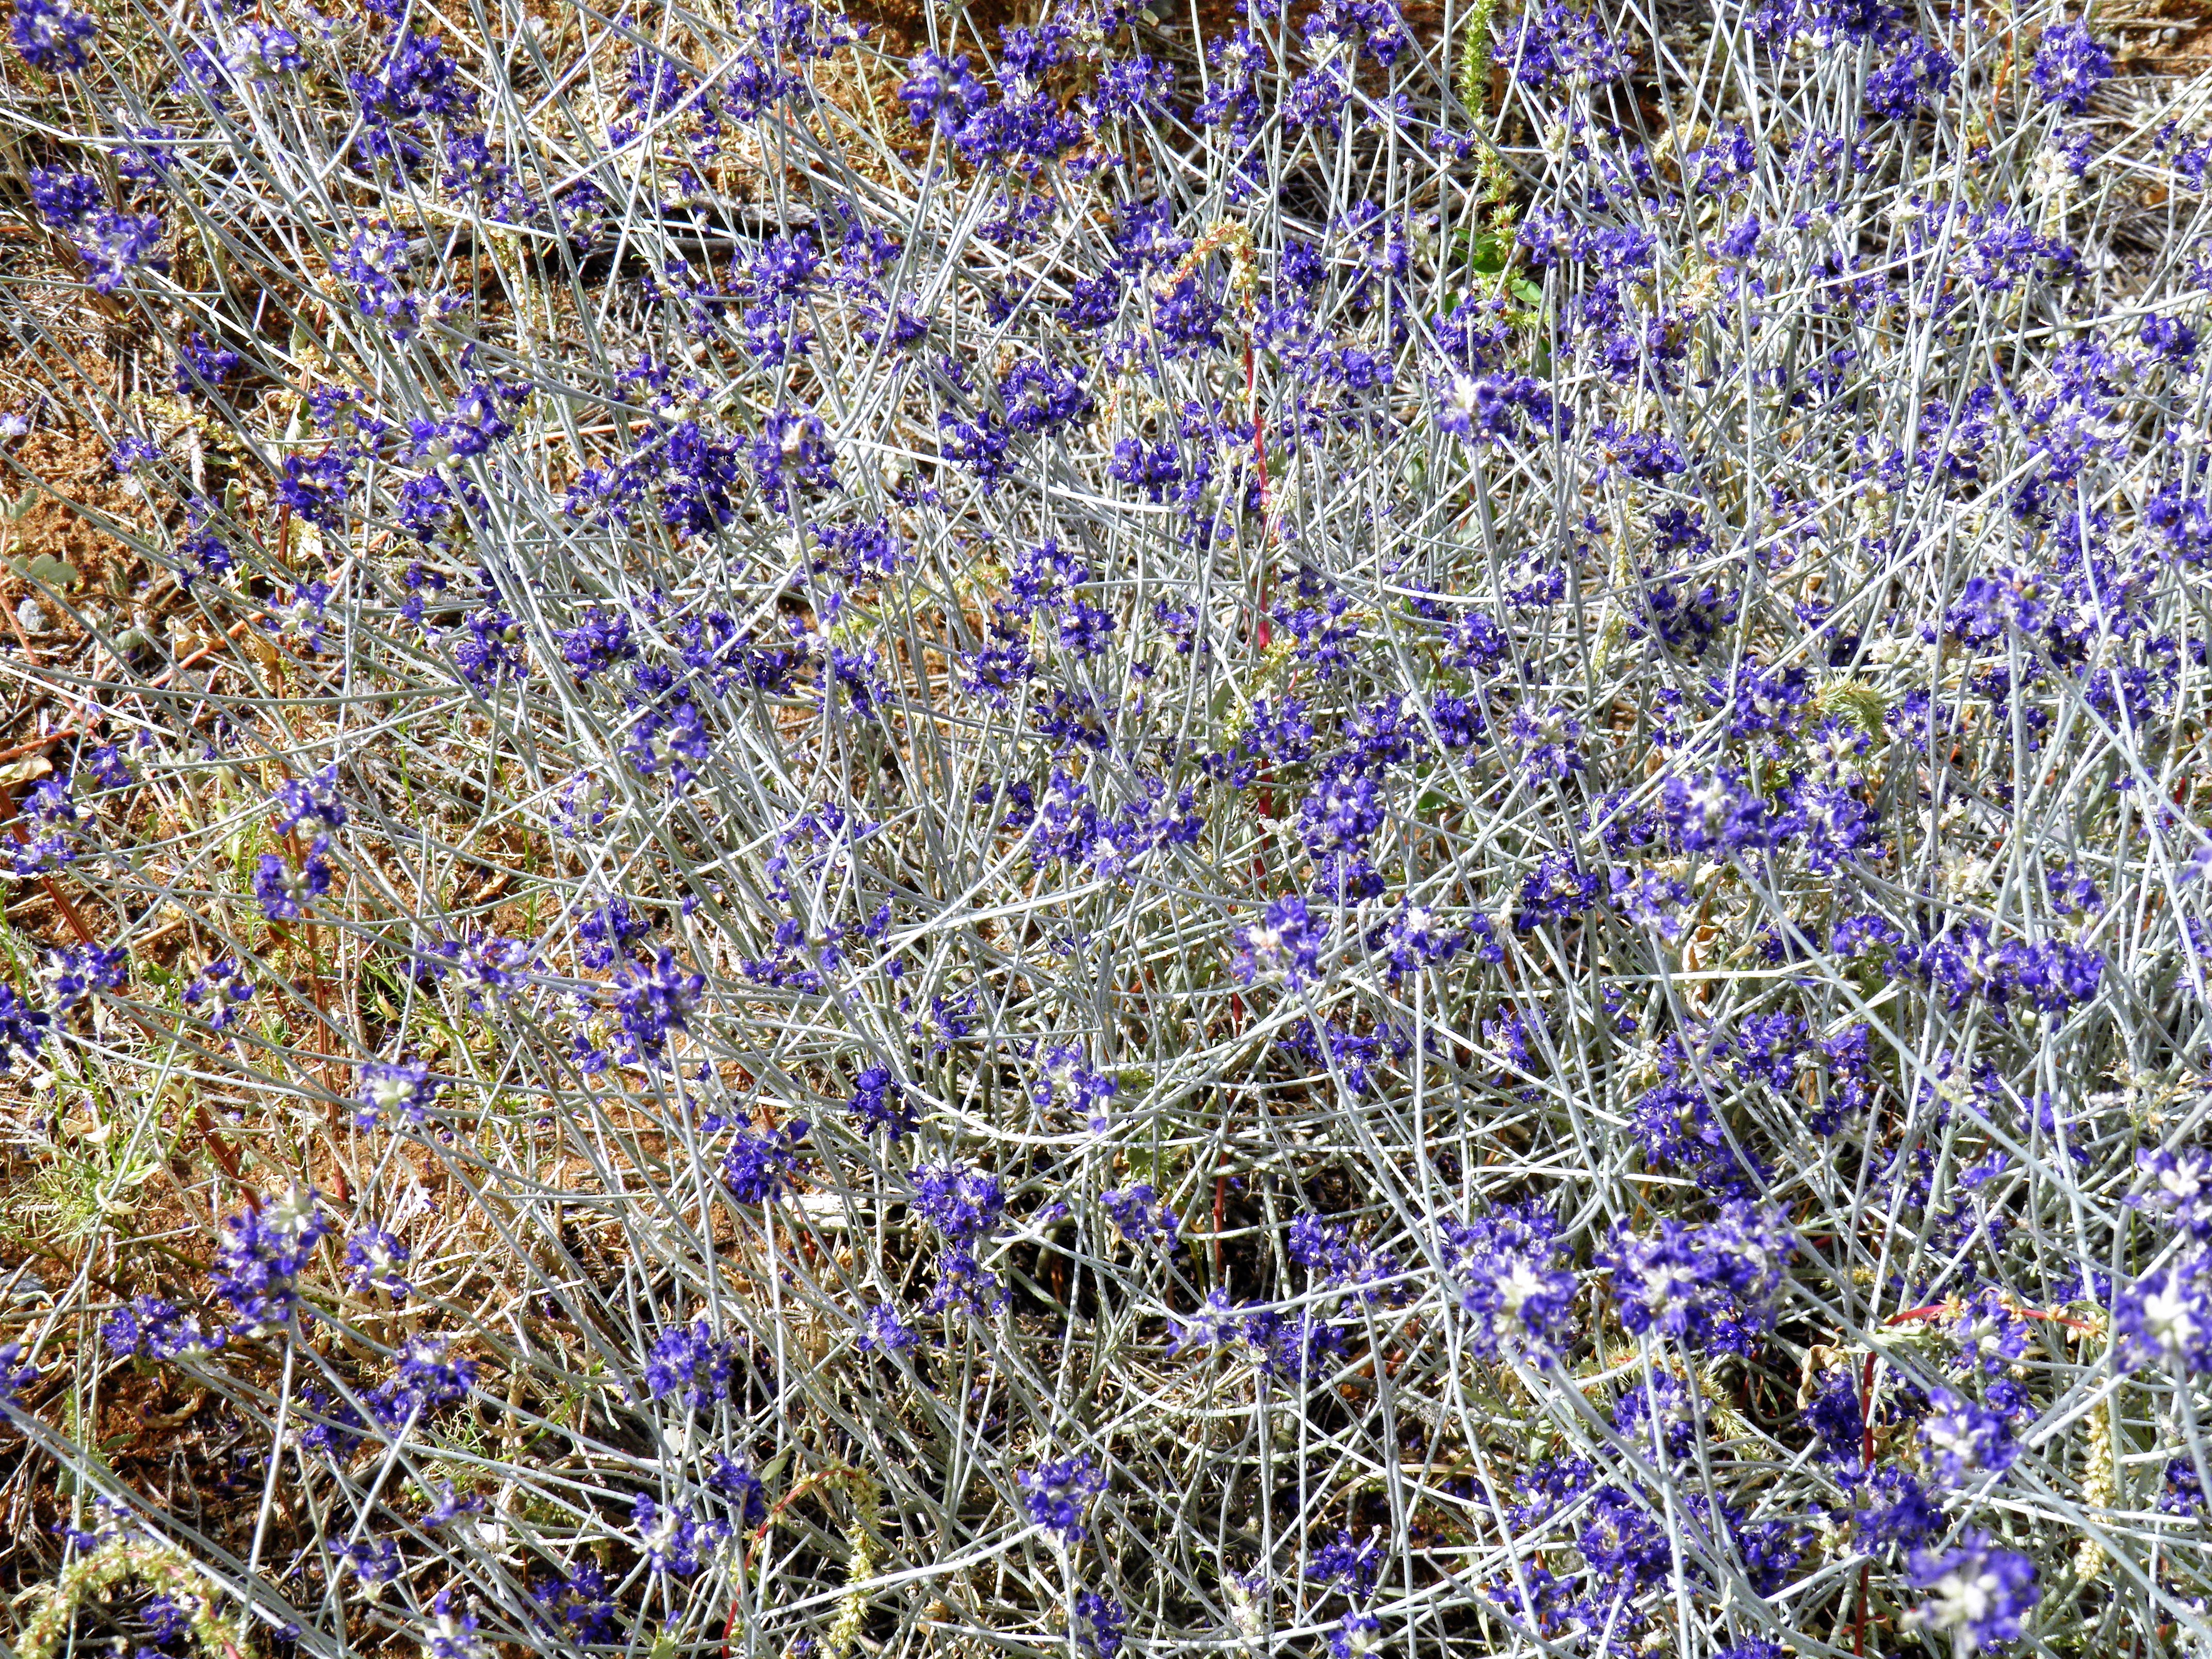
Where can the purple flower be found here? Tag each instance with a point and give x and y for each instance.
(762, 1162)
(669, 737)
(255, 50)
(1214, 1325)
(688, 1362)
(1353, 1636)
(596, 644)
(2184, 1489)
(943, 92)
(792, 455)
(1837, 1420)
(51, 35)
(879, 1101)
(113, 245)
(980, 446)
(964, 1284)
(388, 1088)
(737, 1482)
(2000, 250)
(108, 769)
(1963, 1439)
(1058, 1493)
(158, 1329)
(285, 893)
(1515, 1279)
(964, 1203)
(311, 803)
(373, 1561)
(1720, 813)
(1040, 396)
(1130, 88)
(1549, 745)
(18, 1376)
(1342, 814)
(673, 1541)
(1909, 74)
(1233, 101)
(1832, 825)
(1557, 890)
(2165, 1316)
(2070, 65)
(314, 488)
(483, 965)
(1154, 468)
(1284, 944)
(2176, 1187)
(1296, 1345)
(577, 1604)
(650, 1000)
(224, 984)
(1326, 1250)
(1497, 408)
(36, 857)
(1651, 900)
(1988, 1334)
(883, 1330)
(1558, 48)
(607, 933)
(262, 1252)
(1106, 1622)
(1416, 937)
(1142, 1216)
(1352, 1568)
(204, 366)
(426, 1376)
(1979, 1595)
(373, 1259)
(64, 198)
(1966, 962)
(53, 802)
(1065, 1078)
(2170, 338)
(491, 654)
(79, 971)
(1711, 1288)
(375, 263)
(167, 1618)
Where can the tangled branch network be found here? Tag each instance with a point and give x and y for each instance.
(1124, 835)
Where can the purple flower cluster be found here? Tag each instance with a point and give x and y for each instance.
(966, 1206)
(1978, 1594)
(1058, 1494)
(2070, 65)
(761, 1164)
(1516, 1282)
(688, 1362)
(1711, 1288)
(1142, 1216)
(286, 893)
(1440, 752)
(51, 35)
(675, 1542)
(263, 1251)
